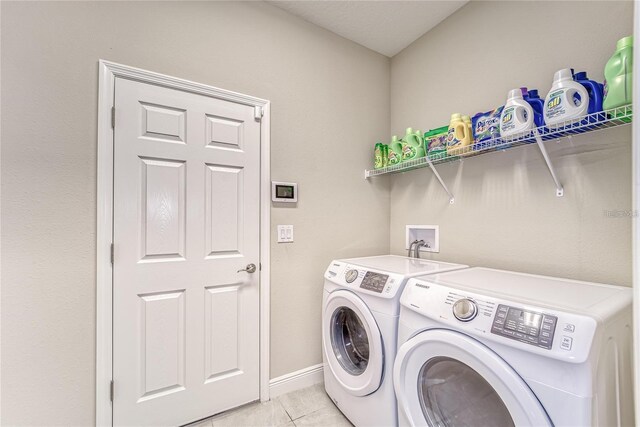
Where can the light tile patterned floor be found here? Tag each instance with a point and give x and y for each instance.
(307, 407)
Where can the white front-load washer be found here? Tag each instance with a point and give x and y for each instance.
(359, 332)
(484, 347)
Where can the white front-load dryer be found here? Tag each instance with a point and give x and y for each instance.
(359, 332)
(484, 347)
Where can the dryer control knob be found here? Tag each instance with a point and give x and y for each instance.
(465, 309)
(351, 275)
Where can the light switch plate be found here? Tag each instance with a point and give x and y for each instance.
(285, 233)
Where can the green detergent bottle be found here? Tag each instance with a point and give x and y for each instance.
(385, 155)
(377, 156)
(395, 151)
(412, 145)
(618, 76)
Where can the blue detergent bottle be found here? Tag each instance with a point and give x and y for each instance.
(537, 103)
(596, 95)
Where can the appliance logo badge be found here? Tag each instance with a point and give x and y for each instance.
(420, 285)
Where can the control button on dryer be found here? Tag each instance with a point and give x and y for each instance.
(465, 309)
(569, 327)
(566, 343)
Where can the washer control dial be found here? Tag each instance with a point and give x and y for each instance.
(465, 309)
(351, 275)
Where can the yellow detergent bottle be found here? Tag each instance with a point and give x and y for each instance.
(467, 121)
(458, 137)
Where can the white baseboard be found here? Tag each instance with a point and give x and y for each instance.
(296, 380)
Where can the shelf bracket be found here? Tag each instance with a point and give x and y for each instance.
(435, 172)
(552, 171)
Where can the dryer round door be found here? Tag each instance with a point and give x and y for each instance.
(352, 343)
(445, 378)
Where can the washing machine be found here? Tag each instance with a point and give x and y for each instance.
(359, 332)
(484, 347)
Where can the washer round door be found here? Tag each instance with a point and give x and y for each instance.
(445, 378)
(352, 343)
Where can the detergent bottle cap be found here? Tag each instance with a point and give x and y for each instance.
(624, 42)
(515, 94)
(456, 116)
(418, 132)
(582, 75)
(394, 138)
(525, 91)
(409, 131)
(564, 74)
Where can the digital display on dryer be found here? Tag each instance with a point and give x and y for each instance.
(374, 281)
(525, 326)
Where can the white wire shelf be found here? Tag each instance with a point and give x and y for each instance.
(591, 123)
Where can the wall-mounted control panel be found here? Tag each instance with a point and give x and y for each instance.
(284, 192)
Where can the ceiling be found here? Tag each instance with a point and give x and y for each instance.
(386, 26)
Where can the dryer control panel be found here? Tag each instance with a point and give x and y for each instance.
(543, 330)
(523, 325)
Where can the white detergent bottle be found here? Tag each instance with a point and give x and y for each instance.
(516, 119)
(567, 101)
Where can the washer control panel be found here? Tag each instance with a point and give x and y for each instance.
(378, 283)
(525, 326)
(374, 281)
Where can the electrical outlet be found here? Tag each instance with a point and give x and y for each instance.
(285, 233)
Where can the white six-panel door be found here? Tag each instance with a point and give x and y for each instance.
(186, 219)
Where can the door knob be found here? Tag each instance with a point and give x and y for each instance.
(251, 268)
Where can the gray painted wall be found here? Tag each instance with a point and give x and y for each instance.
(506, 214)
(330, 99)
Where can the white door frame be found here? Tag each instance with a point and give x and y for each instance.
(104, 273)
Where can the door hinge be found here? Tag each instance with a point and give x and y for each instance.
(258, 112)
(112, 254)
(111, 390)
(260, 264)
(113, 117)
